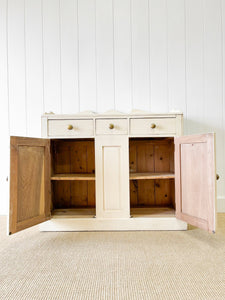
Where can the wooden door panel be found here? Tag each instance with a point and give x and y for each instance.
(195, 180)
(112, 177)
(29, 182)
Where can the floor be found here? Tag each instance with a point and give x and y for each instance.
(113, 265)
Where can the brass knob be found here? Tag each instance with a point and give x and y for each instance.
(70, 127)
(111, 126)
(153, 125)
(217, 177)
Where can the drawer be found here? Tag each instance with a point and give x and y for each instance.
(71, 128)
(152, 126)
(111, 126)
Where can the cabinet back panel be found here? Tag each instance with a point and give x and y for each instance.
(73, 156)
(142, 193)
(152, 193)
(73, 194)
(61, 159)
(151, 155)
(164, 158)
(165, 192)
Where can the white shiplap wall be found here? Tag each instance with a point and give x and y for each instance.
(67, 56)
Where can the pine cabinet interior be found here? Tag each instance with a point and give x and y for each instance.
(112, 172)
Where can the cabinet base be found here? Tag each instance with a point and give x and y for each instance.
(94, 224)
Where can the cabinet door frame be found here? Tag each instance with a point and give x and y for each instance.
(122, 144)
(15, 225)
(184, 167)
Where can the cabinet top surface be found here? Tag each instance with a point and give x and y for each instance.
(112, 113)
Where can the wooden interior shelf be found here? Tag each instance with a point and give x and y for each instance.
(74, 213)
(75, 176)
(148, 175)
(152, 212)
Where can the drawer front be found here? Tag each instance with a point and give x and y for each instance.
(71, 128)
(152, 126)
(111, 126)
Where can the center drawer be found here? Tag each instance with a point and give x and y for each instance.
(67, 128)
(111, 126)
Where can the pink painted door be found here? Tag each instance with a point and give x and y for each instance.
(195, 180)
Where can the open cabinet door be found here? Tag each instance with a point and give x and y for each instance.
(29, 182)
(195, 180)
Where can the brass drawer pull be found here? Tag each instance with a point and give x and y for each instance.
(70, 127)
(217, 176)
(111, 126)
(153, 125)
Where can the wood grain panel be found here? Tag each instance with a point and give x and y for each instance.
(30, 182)
(151, 155)
(150, 183)
(133, 193)
(152, 193)
(193, 191)
(164, 192)
(73, 156)
(145, 157)
(195, 180)
(73, 194)
(70, 157)
(61, 194)
(146, 175)
(79, 194)
(61, 158)
(163, 158)
(90, 157)
(74, 176)
(132, 157)
(155, 212)
(91, 194)
(145, 193)
(78, 158)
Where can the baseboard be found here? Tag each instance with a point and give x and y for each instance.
(220, 204)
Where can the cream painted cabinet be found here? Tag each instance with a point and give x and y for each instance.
(112, 172)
